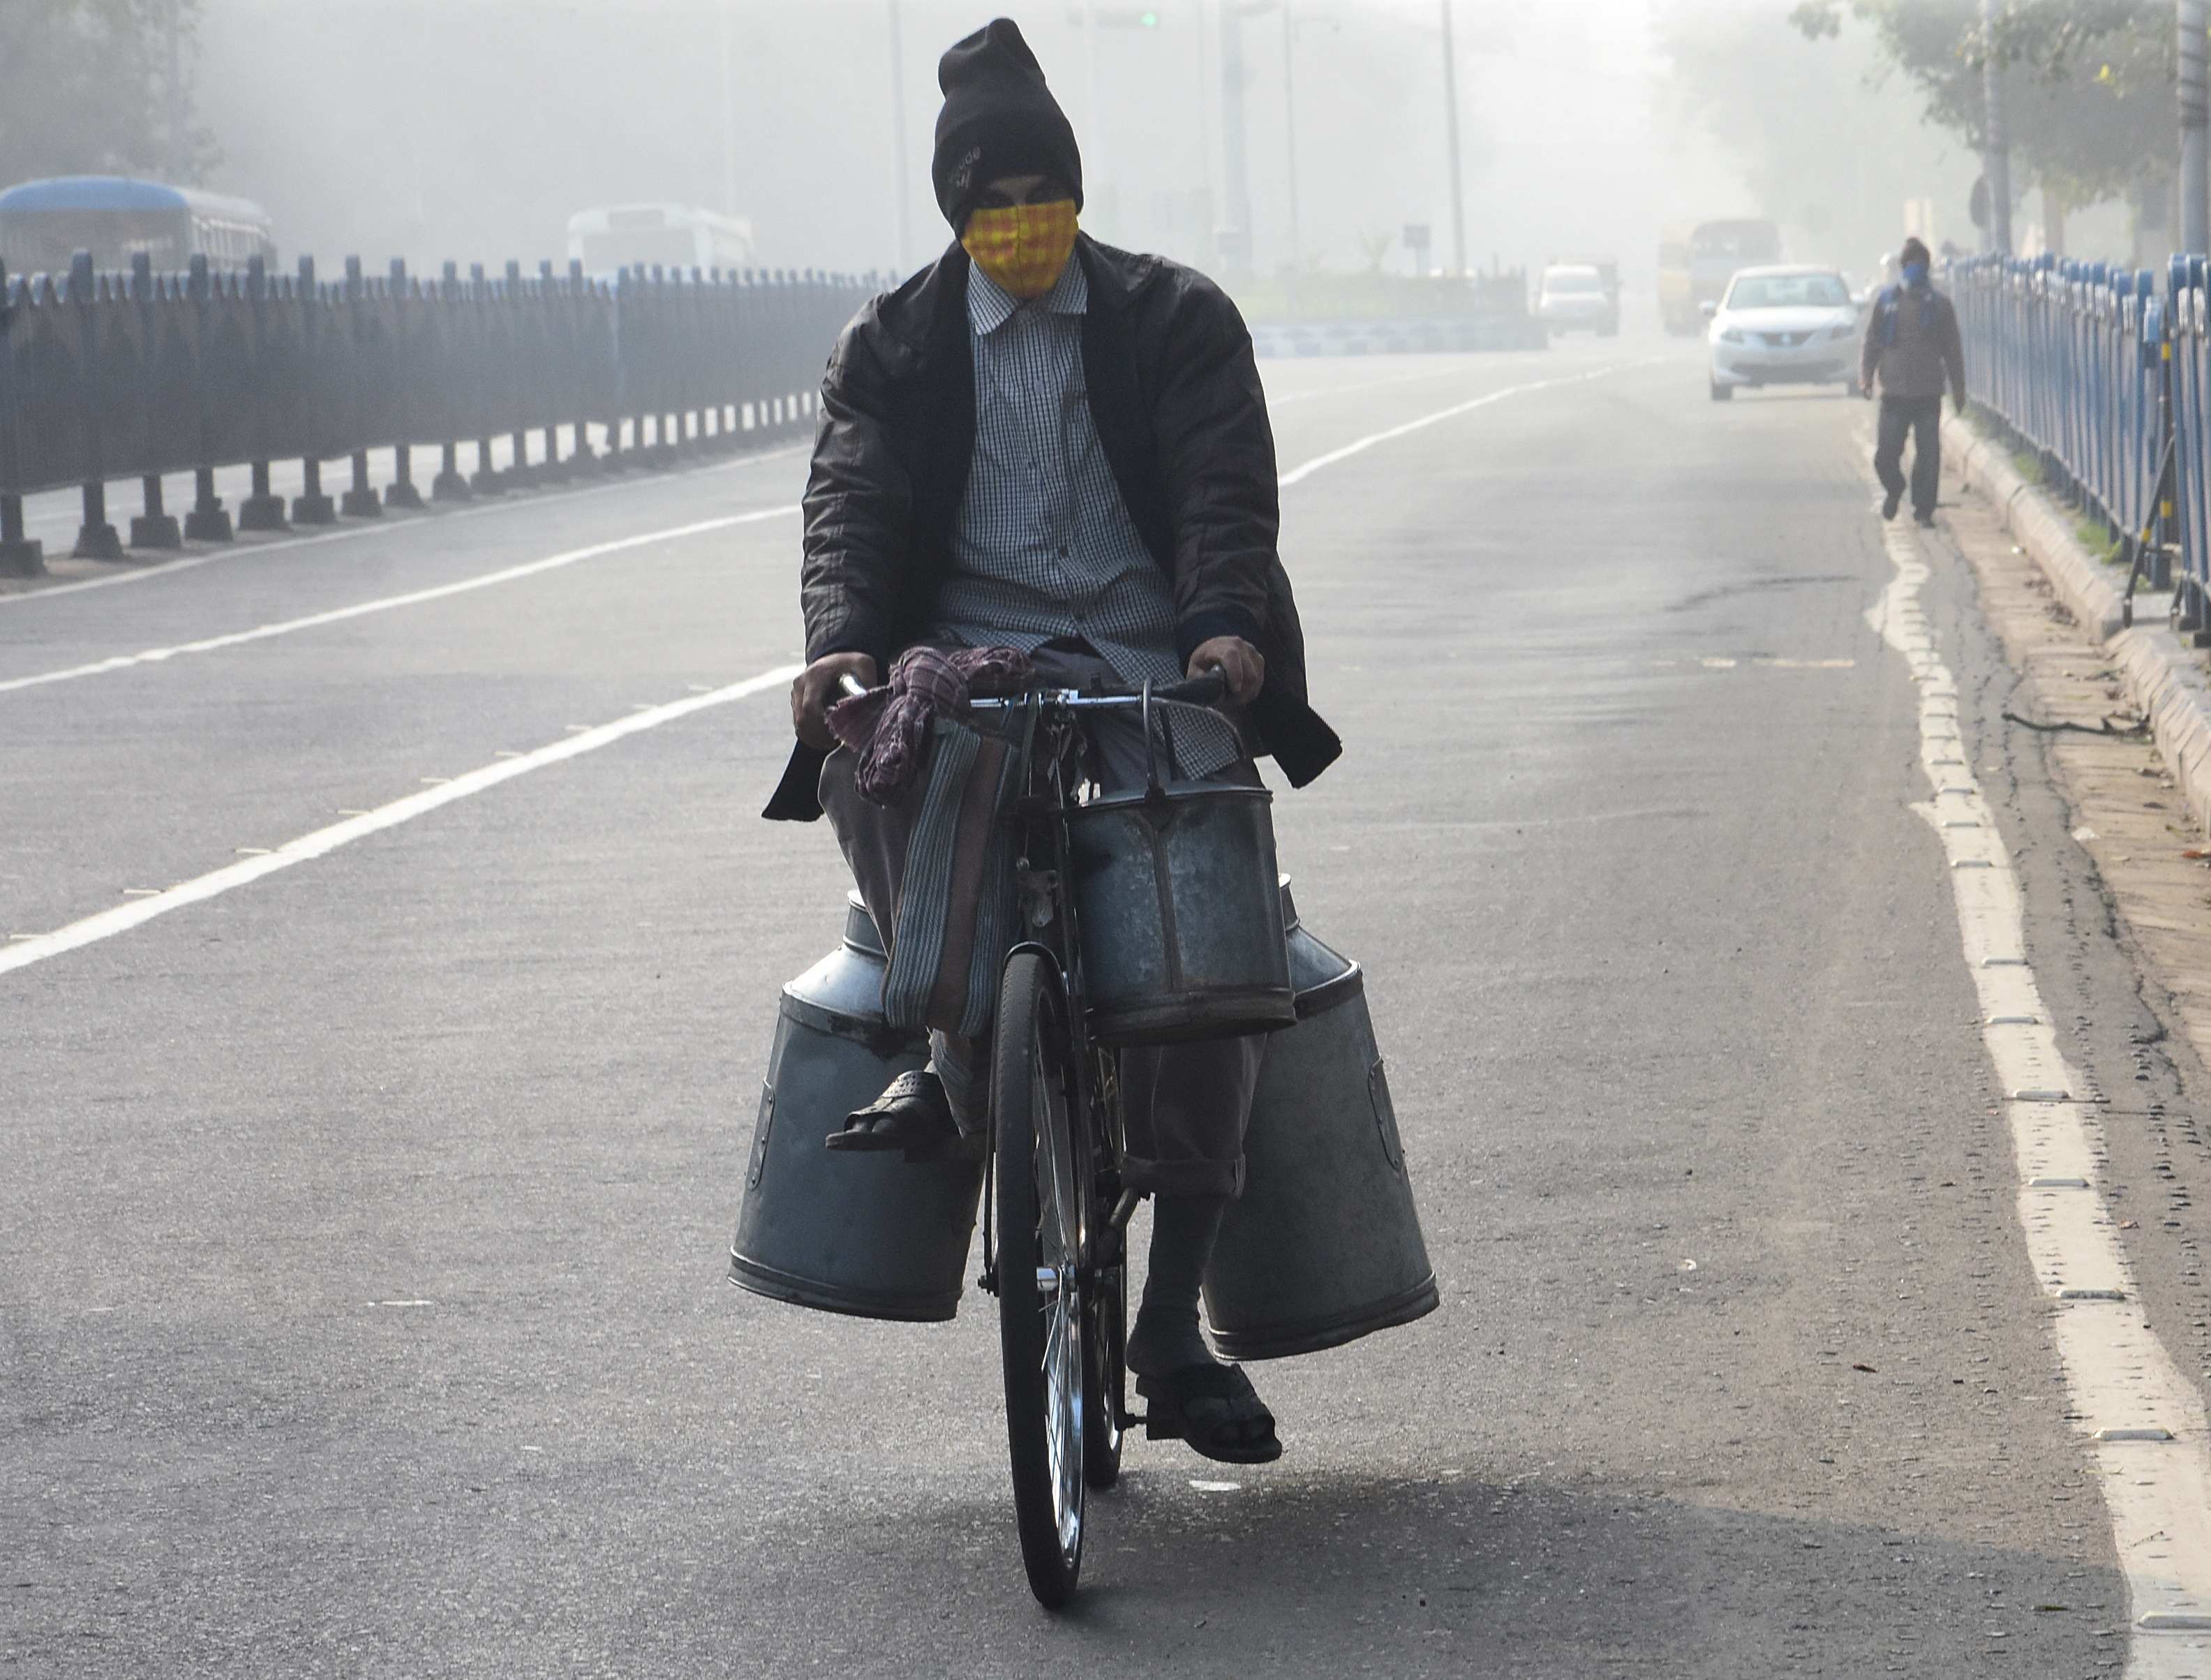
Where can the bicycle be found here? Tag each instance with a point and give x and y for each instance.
(1056, 1213)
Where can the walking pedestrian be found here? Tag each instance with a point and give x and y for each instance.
(1911, 350)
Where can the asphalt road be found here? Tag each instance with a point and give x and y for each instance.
(363, 1229)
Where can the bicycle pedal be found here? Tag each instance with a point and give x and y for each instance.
(1156, 1427)
(936, 1151)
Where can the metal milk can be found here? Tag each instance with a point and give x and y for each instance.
(869, 1235)
(1323, 1246)
(1175, 891)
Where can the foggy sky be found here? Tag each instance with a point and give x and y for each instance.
(472, 128)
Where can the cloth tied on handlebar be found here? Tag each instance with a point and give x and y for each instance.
(889, 727)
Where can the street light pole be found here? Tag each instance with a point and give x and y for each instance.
(1451, 125)
(1093, 144)
(1235, 174)
(1997, 168)
(1290, 126)
(729, 112)
(2195, 177)
(173, 93)
(898, 143)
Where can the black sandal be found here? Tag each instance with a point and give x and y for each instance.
(1213, 1408)
(913, 1116)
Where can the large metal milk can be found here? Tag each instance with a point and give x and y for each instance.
(1175, 899)
(1323, 1246)
(873, 1235)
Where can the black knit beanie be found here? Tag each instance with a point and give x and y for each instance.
(1913, 248)
(998, 119)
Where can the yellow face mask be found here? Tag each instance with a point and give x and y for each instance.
(1022, 247)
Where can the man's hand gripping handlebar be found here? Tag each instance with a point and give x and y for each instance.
(1241, 665)
(819, 686)
(1226, 667)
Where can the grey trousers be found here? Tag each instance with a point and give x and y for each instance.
(1186, 1105)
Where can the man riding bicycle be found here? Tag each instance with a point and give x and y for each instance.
(1045, 445)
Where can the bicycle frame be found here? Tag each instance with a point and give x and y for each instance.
(1050, 928)
(1053, 1169)
(1054, 785)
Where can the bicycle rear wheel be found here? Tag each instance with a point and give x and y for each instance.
(1041, 1183)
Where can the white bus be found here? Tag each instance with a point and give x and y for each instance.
(676, 236)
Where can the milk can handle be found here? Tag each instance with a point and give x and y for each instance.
(1151, 753)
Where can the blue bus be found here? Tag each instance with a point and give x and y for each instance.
(44, 223)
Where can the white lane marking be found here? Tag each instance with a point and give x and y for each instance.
(125, 917)
(2146, 1424)
(1295, 475)
(413, 597)
(344, 533)
(1285, 400)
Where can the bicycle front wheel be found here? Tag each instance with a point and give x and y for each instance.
(1039, 1183)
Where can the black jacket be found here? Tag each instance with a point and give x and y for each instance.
(1911, 346)
(1177, 401)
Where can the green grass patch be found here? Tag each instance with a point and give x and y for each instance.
(2099, 540)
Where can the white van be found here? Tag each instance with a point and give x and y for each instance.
(674, 236)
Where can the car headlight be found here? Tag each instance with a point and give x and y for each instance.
(1842, 332)
(1730, 336)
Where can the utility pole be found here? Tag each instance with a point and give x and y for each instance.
(1290, 128)
(2194, 176)
(1207, 253)
(1997, 167)
(903, 190)
(729, 112)
(1092, 143)
(174, 93)
(1235, 177)
(1450, 127)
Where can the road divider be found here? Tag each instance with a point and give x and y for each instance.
(445, 516)
(151, 656)
(139, 911)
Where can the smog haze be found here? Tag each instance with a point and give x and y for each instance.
(472, 130)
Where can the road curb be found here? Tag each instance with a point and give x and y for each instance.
(2164, 677)
(2042, 530)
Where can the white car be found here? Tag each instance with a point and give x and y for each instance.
(1782, 326)
(1573, 295)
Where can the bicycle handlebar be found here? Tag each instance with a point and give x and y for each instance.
(1209, 688)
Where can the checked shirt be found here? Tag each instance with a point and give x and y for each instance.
(1043, 547)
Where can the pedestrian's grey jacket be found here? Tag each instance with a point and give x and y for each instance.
(1911, 345)
(1174, 391)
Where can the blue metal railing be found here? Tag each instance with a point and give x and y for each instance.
(2104, 374)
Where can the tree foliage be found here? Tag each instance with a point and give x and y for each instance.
(2089, 85)
(1829, 141)
(85, 87)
